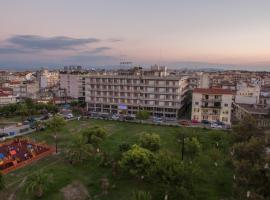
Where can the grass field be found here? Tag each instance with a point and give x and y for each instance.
(215, 182)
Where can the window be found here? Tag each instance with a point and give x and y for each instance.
(196, 103)
(226, 105)
(224, 119)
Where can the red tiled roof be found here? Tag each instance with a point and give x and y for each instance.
(212, 91)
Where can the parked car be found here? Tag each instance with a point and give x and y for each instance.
(220, 123)
(26, 123)
(158, 120)
(129, 117)
(215, 125)
(194, 121)
(184, 122)
(69, 116)
(44, 117)
(115, 117)
(205, 122)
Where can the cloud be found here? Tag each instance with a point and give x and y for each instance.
(13, 50)
(115, 40)
(37, 42)
(96, 50)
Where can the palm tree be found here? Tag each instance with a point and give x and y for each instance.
(142, 195)
(79, 151)
(55, 124)
(38, 183)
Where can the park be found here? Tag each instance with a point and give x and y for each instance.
(214, 172)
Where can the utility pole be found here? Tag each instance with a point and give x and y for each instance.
(183, 146)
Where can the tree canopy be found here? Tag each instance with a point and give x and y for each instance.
(150, 141)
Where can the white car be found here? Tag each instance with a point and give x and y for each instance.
(215, 125)
(69, 116)
(115, 117)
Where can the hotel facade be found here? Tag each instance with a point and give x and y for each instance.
(127, 92)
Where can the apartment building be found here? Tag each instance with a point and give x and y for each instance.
(6, 97)
(48, 78)
(212, 104)
(127, 91)
(258, 112)
(73, 84)
(247, 93)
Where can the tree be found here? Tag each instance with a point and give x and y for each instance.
(94, 136)
(124, 147)
(104, 185)
(55, 124)
(2, 182)
(192, 146)
(39, 125)
(142, 195)
(251, 162)
(23, 110)
(79, 151)
(174, 176)
(142, 115)
(137, 161)
(38, 183)
(150, 141)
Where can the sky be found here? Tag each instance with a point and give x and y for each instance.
(50, 33)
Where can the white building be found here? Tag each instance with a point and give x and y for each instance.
(48, 78)
(247, 93)
(7, 99)
(212, 104)
(128, 91)
(204, 80)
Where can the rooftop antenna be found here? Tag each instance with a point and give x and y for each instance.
(124, 62)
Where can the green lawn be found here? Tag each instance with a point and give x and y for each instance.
(214, 183)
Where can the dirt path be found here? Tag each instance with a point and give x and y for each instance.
(13, 195)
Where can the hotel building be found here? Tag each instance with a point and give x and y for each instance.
(127, 91)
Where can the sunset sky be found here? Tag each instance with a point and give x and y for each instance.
(35, 33)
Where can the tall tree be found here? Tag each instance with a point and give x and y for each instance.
(142, 115)
(174, 176)
(55, 124)
(137, 161)
(23, 111)
(79, 151)
(251, 162)
(150, 141)
(192, 146)
(94, 136)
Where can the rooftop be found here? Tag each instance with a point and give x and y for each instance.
(212, 91)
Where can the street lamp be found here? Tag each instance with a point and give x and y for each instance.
(55, 140)
(183, 146)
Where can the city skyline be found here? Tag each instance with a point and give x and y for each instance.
(173, 33)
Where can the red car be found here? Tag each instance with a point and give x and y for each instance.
(194, 121)
(184, 122)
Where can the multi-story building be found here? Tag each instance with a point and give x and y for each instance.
(258, 112)
(48, 78)
(212, 104)
(247, 93)
(127, 91)
(6, 96)
(73, 83)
